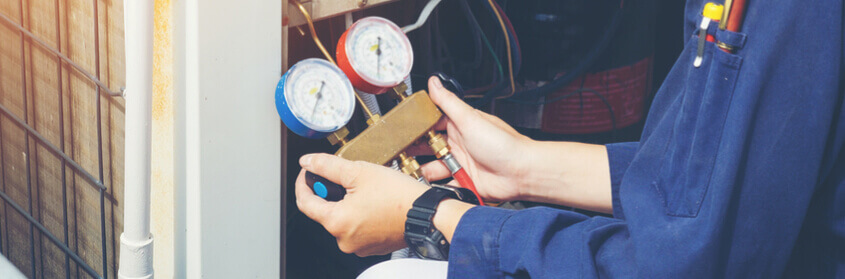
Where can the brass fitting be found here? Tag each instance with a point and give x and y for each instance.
(438, 144)
(373, 119)
(399, 91)
(409, 166)
(338, 136)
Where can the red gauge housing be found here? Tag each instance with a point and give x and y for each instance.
(359, 81)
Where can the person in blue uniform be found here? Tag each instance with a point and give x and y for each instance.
(739, 173)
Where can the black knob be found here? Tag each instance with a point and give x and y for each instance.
(324, 188)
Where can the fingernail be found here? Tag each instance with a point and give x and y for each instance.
(436, 83)
(305, 161)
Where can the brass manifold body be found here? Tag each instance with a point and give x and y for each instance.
(387, 136)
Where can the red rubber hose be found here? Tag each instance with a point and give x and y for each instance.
(463, 178)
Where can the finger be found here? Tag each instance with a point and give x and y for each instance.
(442, 124)
(310, 204)
(457, 110)
(331, 167)
(435, 170)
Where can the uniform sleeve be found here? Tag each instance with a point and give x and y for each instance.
(619, 156)
(537, 243)
(494, 242)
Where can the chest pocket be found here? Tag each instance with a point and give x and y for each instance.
(692, 150)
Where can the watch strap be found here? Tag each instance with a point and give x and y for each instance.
(423, 210)
(420, 234)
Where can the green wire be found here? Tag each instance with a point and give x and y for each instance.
(495, 57)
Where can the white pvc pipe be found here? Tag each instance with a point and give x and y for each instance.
(136, 249)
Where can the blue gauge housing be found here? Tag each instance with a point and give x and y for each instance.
(291, 120)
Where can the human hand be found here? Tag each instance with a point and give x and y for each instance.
(370, 219)
(492, 152)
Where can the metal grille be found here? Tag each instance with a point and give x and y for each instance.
(74, 264)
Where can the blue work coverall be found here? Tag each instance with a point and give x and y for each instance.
(740, 172)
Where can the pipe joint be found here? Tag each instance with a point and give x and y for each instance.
(134, 251)
(451, 163)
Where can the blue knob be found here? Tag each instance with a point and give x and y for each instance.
(320, 190)
(324, 188)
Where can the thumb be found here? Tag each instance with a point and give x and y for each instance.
(331, 167)
(456, 109)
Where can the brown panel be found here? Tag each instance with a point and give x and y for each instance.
(62, 103)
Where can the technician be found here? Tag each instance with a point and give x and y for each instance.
(739, 173)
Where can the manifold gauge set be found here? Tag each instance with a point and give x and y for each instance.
(316, 99)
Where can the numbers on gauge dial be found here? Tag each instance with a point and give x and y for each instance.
(319, 98)
(379, 52)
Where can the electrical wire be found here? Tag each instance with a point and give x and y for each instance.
(484, 38)
(507, 45)
(426, 12)
(514, 59)
(578, 70)
(477, 29)
(478, 58)
(514, 40)
(495, 57)
(325, 52)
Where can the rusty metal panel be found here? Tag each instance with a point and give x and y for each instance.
(60, 60)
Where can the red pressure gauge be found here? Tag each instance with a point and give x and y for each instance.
(375, 54)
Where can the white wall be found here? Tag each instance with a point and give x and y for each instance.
(228, 60)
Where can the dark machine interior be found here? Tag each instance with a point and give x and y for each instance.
(638, 41)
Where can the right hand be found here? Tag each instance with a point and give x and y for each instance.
(491, 151)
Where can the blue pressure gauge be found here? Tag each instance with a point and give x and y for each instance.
(315, 98)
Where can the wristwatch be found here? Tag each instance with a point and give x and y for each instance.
(420, 234)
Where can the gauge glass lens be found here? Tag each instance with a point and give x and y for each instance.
(319, 95)
(379, 51)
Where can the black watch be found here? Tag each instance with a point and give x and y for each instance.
(420, 234)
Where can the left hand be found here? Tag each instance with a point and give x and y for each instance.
(370, 220)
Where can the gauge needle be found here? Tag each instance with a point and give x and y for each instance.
(319, 97)
(378, 58)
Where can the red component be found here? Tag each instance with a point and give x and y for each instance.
(463, 178)
(357, 81)
(736, 14)
(625, 88)
(711, 38)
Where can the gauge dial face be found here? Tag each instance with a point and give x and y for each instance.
(379, 51)
(319, 95)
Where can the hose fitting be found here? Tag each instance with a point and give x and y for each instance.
(410, 166)
(438, 145)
